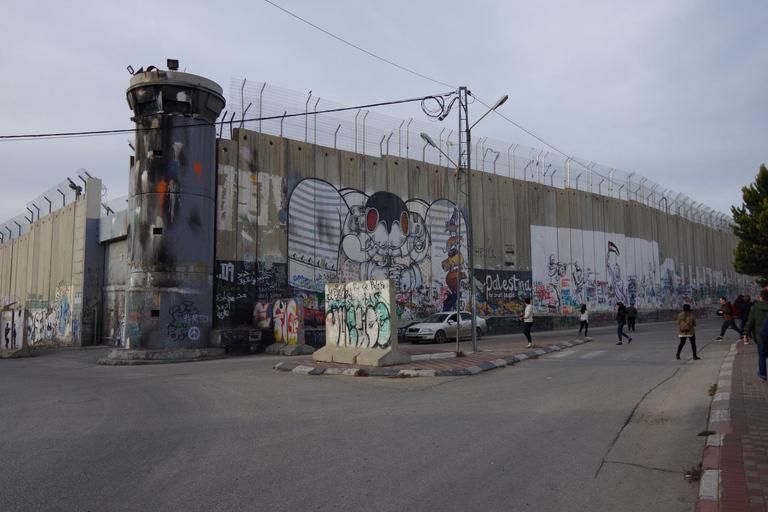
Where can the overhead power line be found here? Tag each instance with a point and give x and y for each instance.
(518, 125)
(359, 48)
(284, 116)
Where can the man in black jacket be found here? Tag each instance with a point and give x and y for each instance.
(757, 314)
(744, 307)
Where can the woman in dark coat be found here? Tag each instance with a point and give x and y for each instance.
(621, 318)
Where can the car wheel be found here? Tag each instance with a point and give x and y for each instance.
(440, 337)
(479, 333)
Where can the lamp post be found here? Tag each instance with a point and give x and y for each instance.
(430, 142)
(465, 145)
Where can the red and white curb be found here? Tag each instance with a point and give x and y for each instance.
(720, 423)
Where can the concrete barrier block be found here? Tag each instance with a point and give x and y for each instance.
(275, 348)
(377, 357)
(295, 350)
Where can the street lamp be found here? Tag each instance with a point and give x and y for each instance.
(465, 145)
(431, 142)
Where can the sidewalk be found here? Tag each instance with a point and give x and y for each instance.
(735, 462)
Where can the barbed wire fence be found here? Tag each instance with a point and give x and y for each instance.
(371, 133)
(55, 198)
(374, 134)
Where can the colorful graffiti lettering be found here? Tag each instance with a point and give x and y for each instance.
(262, 315)
(287, 321)
(502, 292)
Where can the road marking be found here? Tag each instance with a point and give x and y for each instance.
(581, 355)
(591, 354)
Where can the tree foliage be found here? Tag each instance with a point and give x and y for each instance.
(751, 227)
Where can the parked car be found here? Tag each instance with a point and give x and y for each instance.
(441, 327)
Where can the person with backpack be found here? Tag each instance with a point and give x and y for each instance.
(584, 318)
(728, 311)
(686, 330)
(621, 318)
(757, 315)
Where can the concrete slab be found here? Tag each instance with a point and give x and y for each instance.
(275, 348)
(377, 357)
(295, 350)
(122, 356)
(710, 481)
(346, 355)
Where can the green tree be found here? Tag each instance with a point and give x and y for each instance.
(750, 225)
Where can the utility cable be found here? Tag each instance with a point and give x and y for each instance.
(134, 130)
(358, 48)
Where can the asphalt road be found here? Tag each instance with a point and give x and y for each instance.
(595, 427)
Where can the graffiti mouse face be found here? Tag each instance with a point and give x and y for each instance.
(382, 229)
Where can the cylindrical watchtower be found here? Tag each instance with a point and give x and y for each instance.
(171, 198)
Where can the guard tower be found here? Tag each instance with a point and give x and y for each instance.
(171, 208)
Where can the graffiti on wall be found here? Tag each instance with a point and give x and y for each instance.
(286, 321)
(501, 292)
(572, 267)
(341, 235)
(272, 281)
(114, 318)
(41, 326)
(62, 308)
(12, 323)
(283, 317)
(234, 289)
(359, 314)
(262, 315)
(35, 301)
(50, 322)
(186, 322)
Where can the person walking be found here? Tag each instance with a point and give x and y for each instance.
(686, 330)
(631, 317)
(727, 312)
(744, 308)
(527, 318)
(584, 318)
(621, 318)
(757, 315)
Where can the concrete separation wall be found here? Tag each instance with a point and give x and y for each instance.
(297, 216)
(54, 273)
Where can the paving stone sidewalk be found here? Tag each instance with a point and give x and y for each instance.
(735, 462)
(437, 360)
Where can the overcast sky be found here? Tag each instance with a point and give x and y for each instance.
(676, 91)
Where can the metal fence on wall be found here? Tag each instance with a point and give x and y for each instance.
(370, 133)
(55, 198)
(64, 193)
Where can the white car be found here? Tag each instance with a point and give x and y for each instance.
(441, 327)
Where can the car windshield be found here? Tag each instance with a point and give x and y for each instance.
(437, 318)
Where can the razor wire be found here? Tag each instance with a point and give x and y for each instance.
(374, 134)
